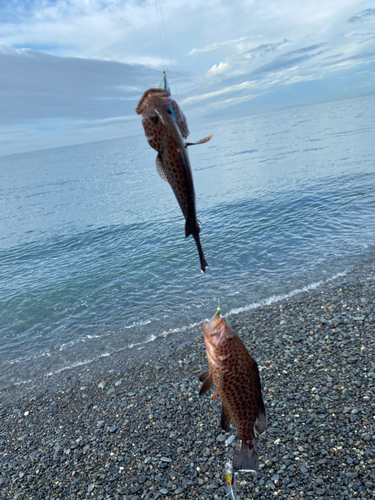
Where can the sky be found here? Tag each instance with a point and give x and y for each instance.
(72, 71)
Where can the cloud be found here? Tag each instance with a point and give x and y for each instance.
(364, 15)
(217, 45)
(217, 69)
(360, 58)
(77, 67)
(267, 73)
(290, 59)
(262, 49)
(244, 86)
(39, 86)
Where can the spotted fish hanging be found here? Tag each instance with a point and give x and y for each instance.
(166, 128)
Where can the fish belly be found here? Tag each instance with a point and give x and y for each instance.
(240, 405)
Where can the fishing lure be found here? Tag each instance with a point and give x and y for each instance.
(230, 481)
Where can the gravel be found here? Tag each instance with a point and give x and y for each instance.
(134, 427)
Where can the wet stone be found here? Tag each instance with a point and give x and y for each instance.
(316, 379)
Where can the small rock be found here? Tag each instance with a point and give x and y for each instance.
(230, 440)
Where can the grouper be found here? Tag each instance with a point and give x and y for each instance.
(236, 377)
(166, 130)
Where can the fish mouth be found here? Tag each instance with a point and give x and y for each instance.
(215, 325)
(212, 330)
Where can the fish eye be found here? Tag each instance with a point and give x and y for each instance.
(154, 119)
(230, 338)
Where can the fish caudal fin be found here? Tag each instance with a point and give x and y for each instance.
(192, 228)
(195, 234)
(246, 458)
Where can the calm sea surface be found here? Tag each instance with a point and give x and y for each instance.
(93, 257)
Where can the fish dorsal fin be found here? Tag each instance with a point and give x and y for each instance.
(160, 168)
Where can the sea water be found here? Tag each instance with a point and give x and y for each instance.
(93, 257)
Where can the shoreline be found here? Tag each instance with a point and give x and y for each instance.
(70, 374)
(132, 426)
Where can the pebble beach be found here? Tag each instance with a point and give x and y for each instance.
(131, 426)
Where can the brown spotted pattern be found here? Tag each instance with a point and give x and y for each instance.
(236, 377)
(166, 135)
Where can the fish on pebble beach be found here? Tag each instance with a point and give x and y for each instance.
(166, 128)
(236, 377)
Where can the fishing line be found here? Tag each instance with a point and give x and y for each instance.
(160, 12)
(161, 24)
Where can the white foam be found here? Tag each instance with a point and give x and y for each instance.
(151, 338)
(78, 363)
(277, 298)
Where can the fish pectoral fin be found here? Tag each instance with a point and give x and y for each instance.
(160, 168)
(225, 419)
(204, 375)
(207, 384)
(202, 141)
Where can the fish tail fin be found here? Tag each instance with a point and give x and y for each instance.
(246, 456)
(201, 254)
(192, 228)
